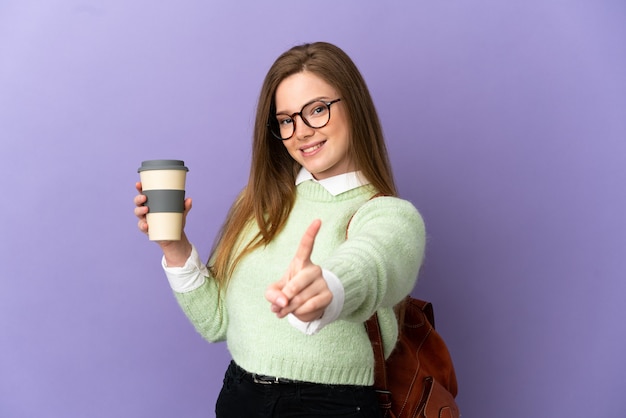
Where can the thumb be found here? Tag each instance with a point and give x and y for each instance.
(275, 295)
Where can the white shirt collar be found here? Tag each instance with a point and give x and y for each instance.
(337, 184)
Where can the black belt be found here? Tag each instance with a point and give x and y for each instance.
(270, 380)
(264, 379)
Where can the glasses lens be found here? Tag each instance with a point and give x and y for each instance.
(316, 114)
(281, 126)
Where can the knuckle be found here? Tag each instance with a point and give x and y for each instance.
(292, 288)
(313, 305)
(297, 300)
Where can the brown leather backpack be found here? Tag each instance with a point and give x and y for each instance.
(418, 378)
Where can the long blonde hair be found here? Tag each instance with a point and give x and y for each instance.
(270, 193)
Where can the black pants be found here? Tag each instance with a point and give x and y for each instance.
(241, 397)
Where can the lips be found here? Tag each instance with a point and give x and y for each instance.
(311, 149)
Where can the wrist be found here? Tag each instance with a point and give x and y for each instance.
(176, 253)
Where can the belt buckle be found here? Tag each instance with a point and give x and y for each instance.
(264, 380)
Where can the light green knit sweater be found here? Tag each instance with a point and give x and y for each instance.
(377, 266)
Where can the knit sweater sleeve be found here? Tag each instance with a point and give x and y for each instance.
(198, 296)
(379, 262)
(205, 310)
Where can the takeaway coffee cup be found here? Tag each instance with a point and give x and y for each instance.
(163, 183)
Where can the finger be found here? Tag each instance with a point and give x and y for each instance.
(275, 296)
(140, 211)
(302, 295)
(186, 209)
(310, 311)
(188, 203)
(279, 302)
(143, 226)
(309, 307)
(276, 289)
(140, 200)
(302, 279)
(305, 249)
(300, 290)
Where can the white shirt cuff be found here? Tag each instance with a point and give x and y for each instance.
(332, 312)
(188, 277)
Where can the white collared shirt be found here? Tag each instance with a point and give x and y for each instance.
(337, 184)
(193, 274)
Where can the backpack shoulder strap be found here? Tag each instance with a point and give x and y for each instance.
(380, 371)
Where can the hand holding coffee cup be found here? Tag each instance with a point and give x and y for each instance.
(163, 184)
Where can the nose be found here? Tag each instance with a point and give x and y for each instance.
(302, 130)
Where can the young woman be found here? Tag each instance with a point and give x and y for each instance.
(284, 287)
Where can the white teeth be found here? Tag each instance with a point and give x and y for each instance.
(313, 148)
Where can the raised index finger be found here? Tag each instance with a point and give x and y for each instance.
(303, 254)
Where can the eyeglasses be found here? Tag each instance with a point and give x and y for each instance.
(315, 114)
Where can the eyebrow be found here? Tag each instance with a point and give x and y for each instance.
(317, 99)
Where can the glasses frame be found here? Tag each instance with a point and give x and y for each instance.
(293, 115)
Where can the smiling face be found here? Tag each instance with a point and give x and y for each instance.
(323, 151)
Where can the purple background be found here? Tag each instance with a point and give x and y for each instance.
(506, 125)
